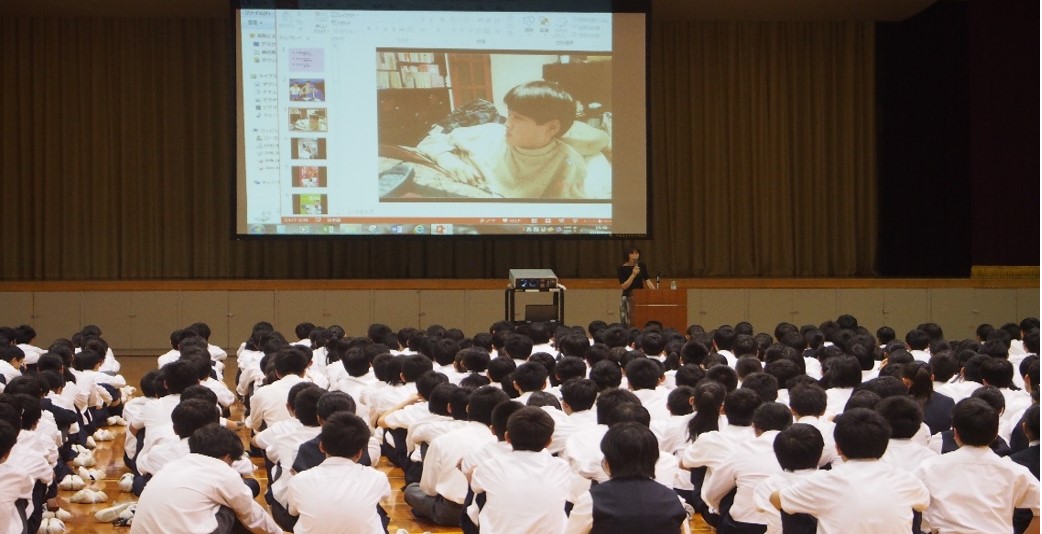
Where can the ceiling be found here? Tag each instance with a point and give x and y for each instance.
(662, 10)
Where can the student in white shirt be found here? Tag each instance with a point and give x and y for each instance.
(798, 450)
(339, 495)
(155, 416)
(14, 484)
(526, 489)
(842, 374)
(576, 414)
(905, 419)
(188, 416)
(11, 359)
(528, 378)
(268, 404)
(860, 494)
(808, 403)
(959, 481)
(440, 494)
(200, 493)
(645, 378)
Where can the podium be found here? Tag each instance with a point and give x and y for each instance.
(667, 306)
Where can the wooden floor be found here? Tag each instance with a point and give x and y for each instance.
(109, 457)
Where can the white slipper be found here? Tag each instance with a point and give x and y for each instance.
(126, 483)
(52, 525)
(72, 482)
(110, 514)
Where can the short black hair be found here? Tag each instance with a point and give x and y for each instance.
(474, 359)
(26, 406)
(628, 412)
(725, 375)
(680, 401)
(438, 403)
(292, 360)
(763, 384)
(530, 429)
(344, 435)
(482, 403)
(739, 406)
(799, 447)
(1030, 421)
(332, 402)
(542, 101)
(426, 383)
(517, 347)
(843, 372)
(414, 365)
(861, 434)
(501, 414)
(8, 437)
(606, 374)
(903, 414)
(643, 373)
(992, 396)
(631, 451)
(862, 399)
(500, 367)
(569, 368)
(191, 415)
(199, 392)
(305, 405)
(997, 372)
(772, 416)
(608, 400)
(542, 399)
(178, 375)
(975, 422)
(808, 399)
(215, 441)
(579, 393)
(530, 376)
(747, 365)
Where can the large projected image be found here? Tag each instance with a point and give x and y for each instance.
(448, 123)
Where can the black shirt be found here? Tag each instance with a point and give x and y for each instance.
(638, 281)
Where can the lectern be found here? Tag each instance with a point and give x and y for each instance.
(667, 306)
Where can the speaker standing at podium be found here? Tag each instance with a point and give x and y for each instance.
(633, 275)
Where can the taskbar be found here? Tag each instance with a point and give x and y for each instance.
(427, 229)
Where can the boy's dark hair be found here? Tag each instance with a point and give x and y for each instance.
(24, 334)
(631, 451)
(483, 402)
(606, 374)
(570, 367)
(501, 414)
(861, 434)
(202, 393)
(579, 393)
(26, 406)
(992, 396)
(808, 400)
(724, 337)
(8, 437)
(784, 370)
(355, 362)
(917, 339)
(305, 405)
(745, 346)
(843, 372)
(651, 343)
(573, 345)
(344, 435)
(458, 402)
(415, 365)
(438, 403)
(772, 416)
(52, 380)
(975, 422)
(997, 372)
(475, 359)
(444, 351)
(747, 365)
(530, 429)
(885, 335)
(517, 347)
(292, 360)
(332, 402)
(1030, 422)
(547, 361)
(723, 375)
(191, 415)
(628, 412)
(215, 441)
(693, 352)
(643, 373)
(763, 384)
(739, 406)
(26, 385)
(610, 399)
(885, 386)
(426, 383)
(798, 447)
(500, 367)
(903, 414)
(863, 399)
(84, 360)
(474, 381)
(530, 376)
(944, 366)
(178, 375)
(680, 400)
(541, 398)
(303, 330)
(542, 102)
(689, 375)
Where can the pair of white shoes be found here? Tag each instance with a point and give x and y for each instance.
(90, 474)
(88, 496)
(116, 420)
(126, 483)
(60, 514)
(52, 525)
(104, 434)
(84, 459)
(116, 512)
(72, 482)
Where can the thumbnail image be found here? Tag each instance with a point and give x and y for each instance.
(307, 90)
(309, 176)
(307, 119)
(309, 205)
(308, 148)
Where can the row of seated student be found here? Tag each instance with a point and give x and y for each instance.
(427, 406)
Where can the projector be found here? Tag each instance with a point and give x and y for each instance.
(533, 279)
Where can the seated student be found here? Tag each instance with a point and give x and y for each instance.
(1028, 458)
(859, 494)
(525, 158)
(309, 453)
(998, 373)
(808, 403)
(440, 494)
(206, 373)
(945, 442)
(905, 418)
(631, 501)
(132, 412)
(798, 450)
(268, 404)
(201, 492)
(749, 464)
(582, 449)
(936, 407)
(11, 359)
(528, 378)
(339, 495)
(358, 371)
(517, 347)
(14, 486)
(842, 374)
(528, 474)
(577, 398)
(645, 378)
(28, 455)
(957, 481)
(713, 447)
(155, 416)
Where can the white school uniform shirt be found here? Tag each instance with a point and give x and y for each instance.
(169, 356)
(186, 495)
(836, 400)
(959, 480)
(383, 396)
(268, 404)
(961, 389)
(428, 431)
(132, 412)
(284, 448)
(536, 479)
(29, 462)
(749, 464)
(827, 428)
(906, 454)
(32, 353)
(14, 485)
(337, 496)
(167, 451)
(712, 448)
(813, 367)
(110, 365)
(567, 425)
(1016, 403)
(920, 355)
(475, 457)
(354, 385)
(857, 497)
(265, 438)
(729, 356)
(225, 397)
(9, 371)
(441, 476)
(654, 400)
(155, 419)
(763, 491)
